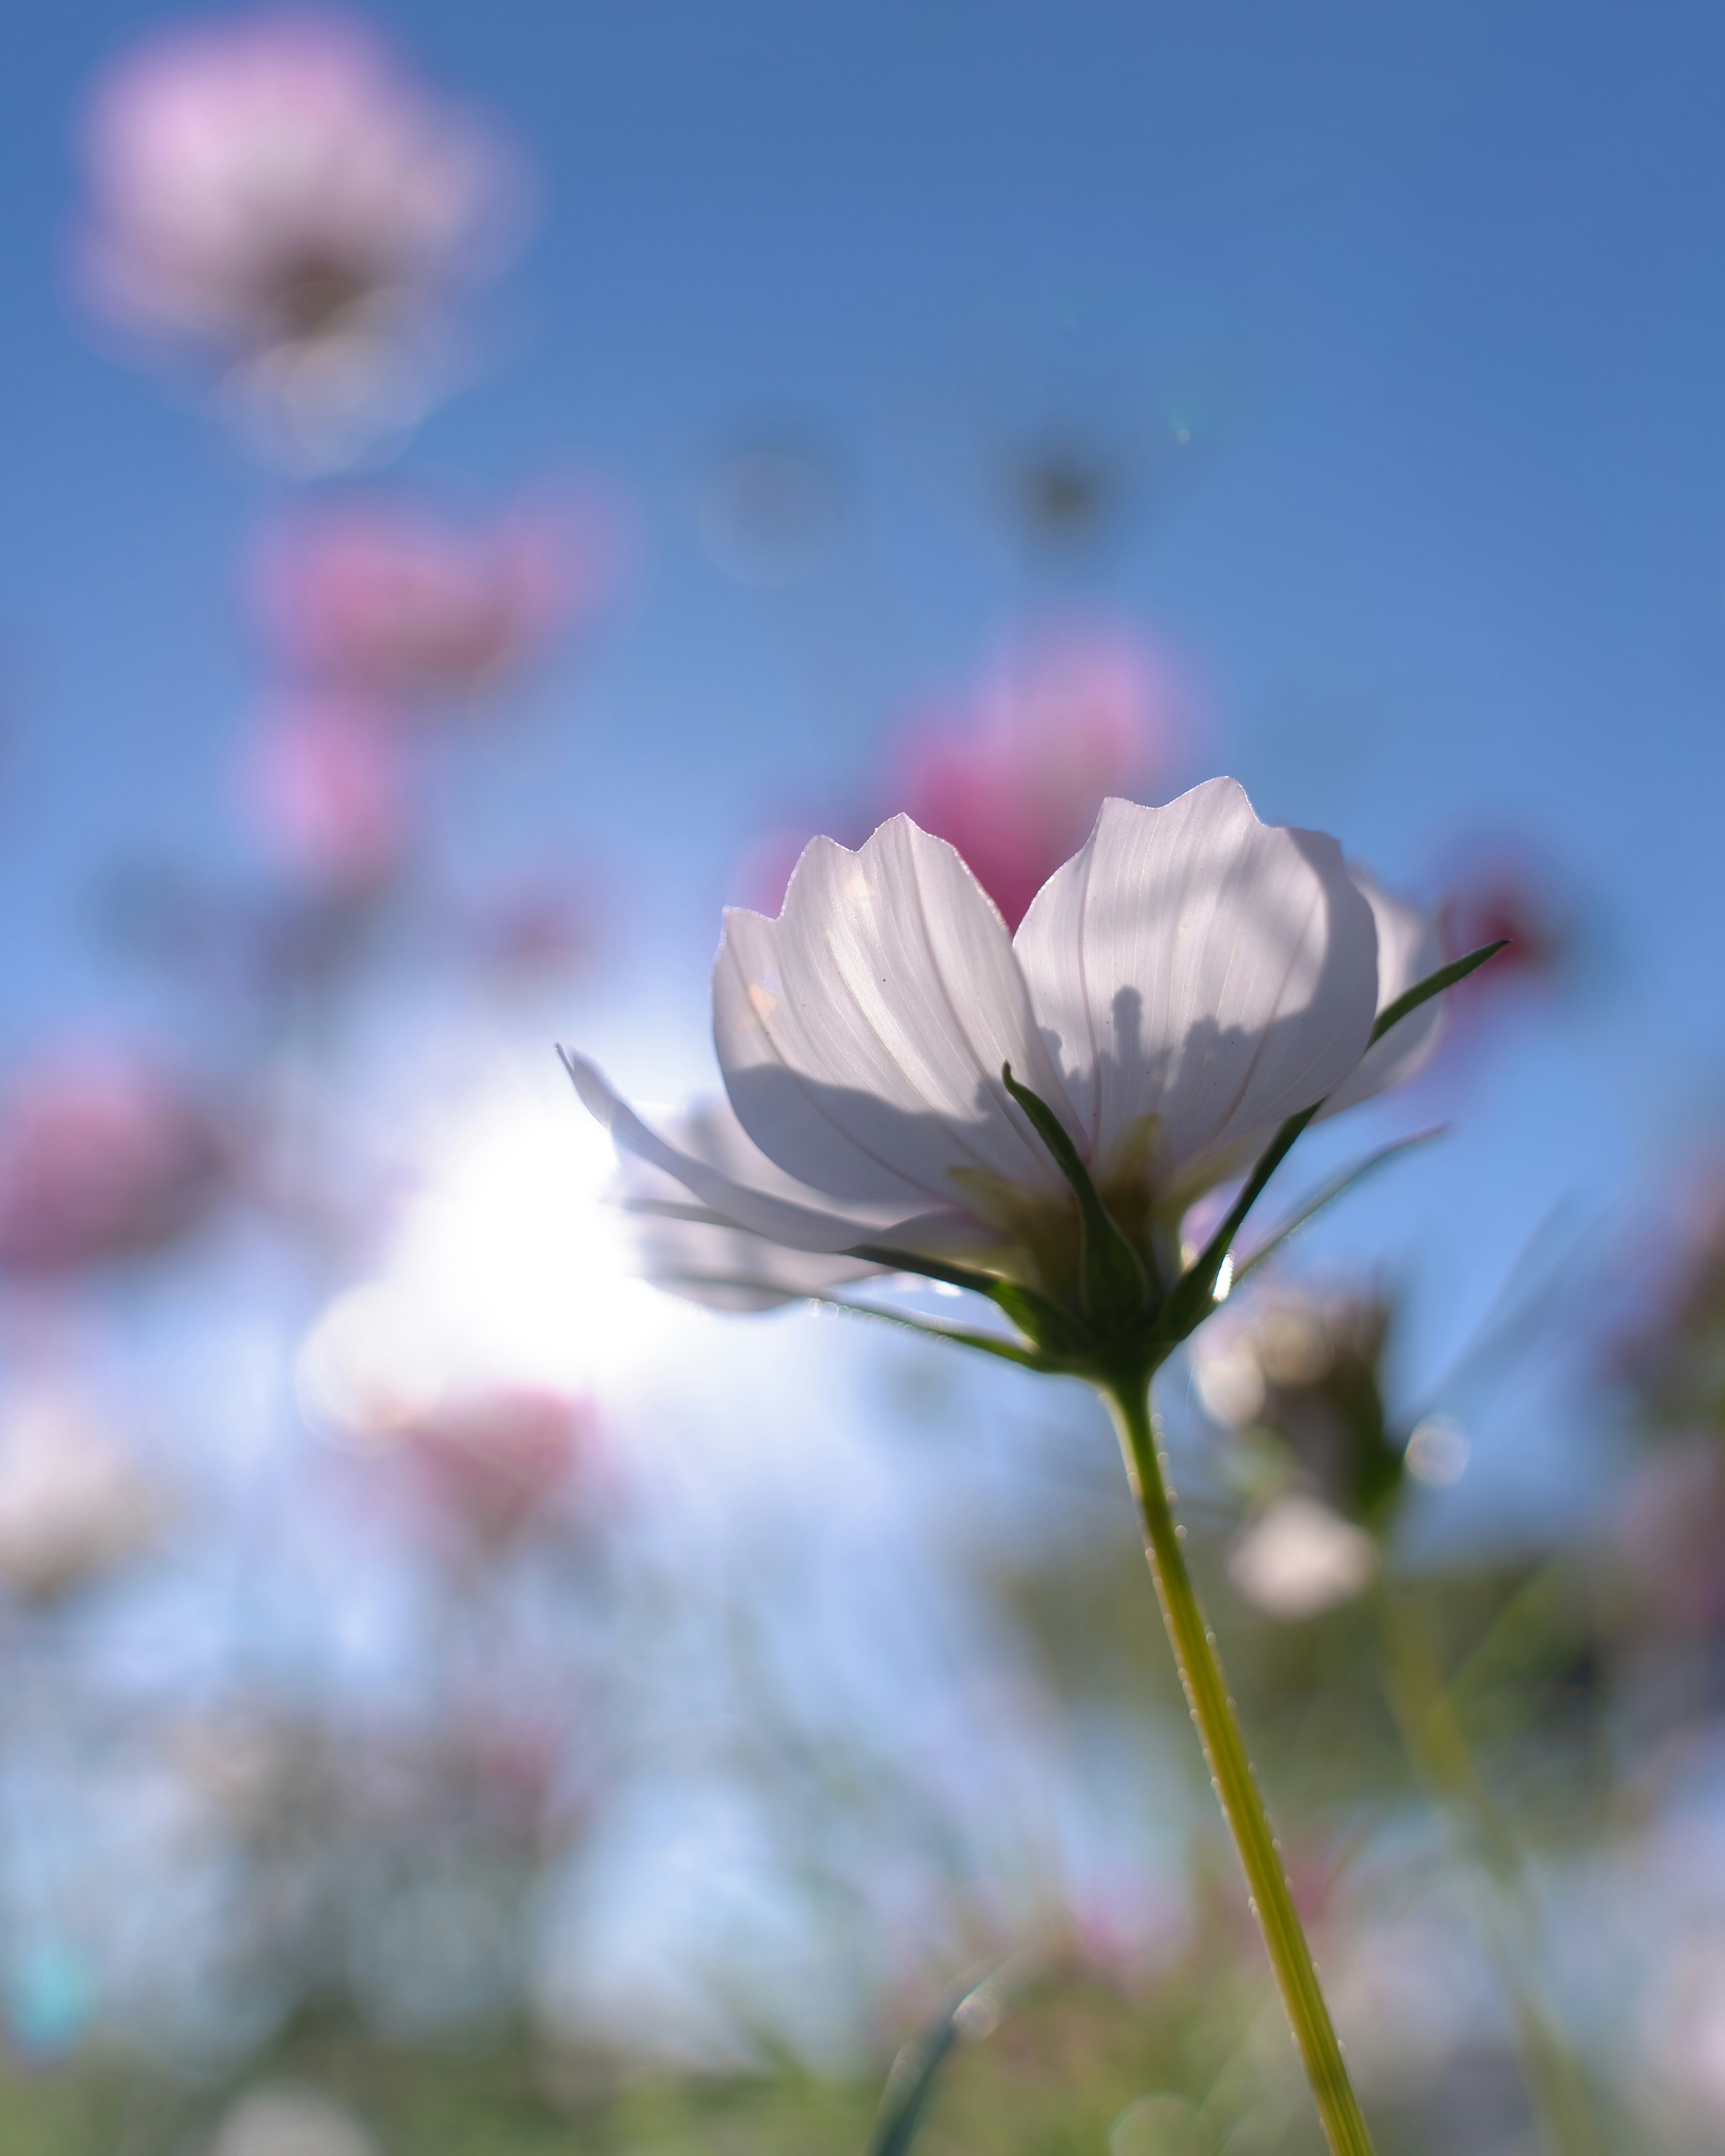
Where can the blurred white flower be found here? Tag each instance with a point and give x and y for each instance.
(74, 1501)
(1299, 1558)
(291, 2122)
(274, 193)
(1187, 981)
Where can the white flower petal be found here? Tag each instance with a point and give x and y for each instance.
(696, 1253)
(1195, 965)
(1409, 948)
(861, 1035)
(771, 1212)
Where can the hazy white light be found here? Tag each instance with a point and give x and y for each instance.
(1437, 1452)
(1224, 1278)
(511, 1264)
(374, 1363)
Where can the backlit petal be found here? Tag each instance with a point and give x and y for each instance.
(1193, 965)
(861, 1035)
(1409, 948)
(775, 1211)
(695, 1252)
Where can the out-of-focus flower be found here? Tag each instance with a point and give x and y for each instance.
(1012, 773)
(1674, 1357)
(1305, 1369)
(380, 599)
(495, 1458)
(538, 930)
(1500, 899)
(274, 192)
(1075, 715)
(291, 2121)
(1188, 979)
(74, 1503)
(1299, 1558)
(1683, 2036)
(1668, 1527)
(102, 1155)
(327, 781)
(766, 510)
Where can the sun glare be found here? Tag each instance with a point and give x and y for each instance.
(511, 1264)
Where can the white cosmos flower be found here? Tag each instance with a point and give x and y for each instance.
(1186, 982)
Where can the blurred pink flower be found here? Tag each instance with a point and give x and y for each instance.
(537, 930)
(74, 1503)
(275, 190)
(494, 1459)
(1500, 896)
(327, 783)
(385, 599)
(1013, 774)
(1078, 713)
(101, 1155)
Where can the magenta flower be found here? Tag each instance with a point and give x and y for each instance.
(1078, 714)
(102, 1156)
(327, 781)
(1013, 774)
(383, 599)
(275, 194)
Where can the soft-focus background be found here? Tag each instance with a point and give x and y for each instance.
(483, 486)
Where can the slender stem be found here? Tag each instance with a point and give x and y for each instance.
(1231, 1773)
(1437, 1744)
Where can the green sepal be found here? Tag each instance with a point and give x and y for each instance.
(1336, 1187)
(1434, 984)
(1044, 1323)
(959, 1336)
(1113, 1283)
(1194, 1293)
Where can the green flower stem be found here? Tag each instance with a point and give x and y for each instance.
(1437, 1744)
(1231, 1773)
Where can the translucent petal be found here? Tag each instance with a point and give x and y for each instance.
(1409, 948)
(776, 1211)
(696, 1252)
(861, 1035)
(1196, 967)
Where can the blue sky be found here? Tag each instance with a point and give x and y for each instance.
(1449, 278)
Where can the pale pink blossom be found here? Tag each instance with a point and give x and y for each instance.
(75, 1501)
(383, 598)
(327, 781)
(1014, 779)
(102, 1155)
(274, 190)
(1190, 979)
(1013, 772)
(495, 1457)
